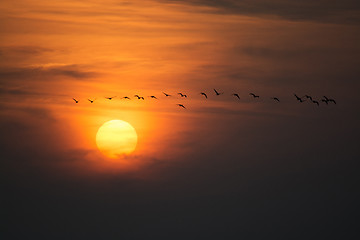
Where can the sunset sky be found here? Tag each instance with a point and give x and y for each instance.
(221, 168)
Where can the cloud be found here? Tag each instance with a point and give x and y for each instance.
(331, 11)
(23, 50)
(14, 91)
(71, 71)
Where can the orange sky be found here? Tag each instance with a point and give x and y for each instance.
(54, 51)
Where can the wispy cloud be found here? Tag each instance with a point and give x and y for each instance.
(72, 71)
(23, 50)
(332, 11)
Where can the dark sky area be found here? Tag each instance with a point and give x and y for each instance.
(223, 168)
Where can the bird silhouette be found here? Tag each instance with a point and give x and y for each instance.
(76, 101)
(180, 105)
(236, 95)
(255, 96)
(138, 97)
(309, 97)
(91, 101)
(325, 101)
(276, 99)
(204, 94)
(182, 95)
(110, 97)
(316, 102)
(126, 97)
(167, 95)
(153, 97)
(299, 98)
(332, 100)
(217, 93)
(328, 100)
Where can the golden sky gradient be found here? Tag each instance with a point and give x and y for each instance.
(53, 51)
(223, 168)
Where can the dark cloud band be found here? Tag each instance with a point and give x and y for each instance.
(332, 11)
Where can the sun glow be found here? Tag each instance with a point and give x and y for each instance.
(116, 138)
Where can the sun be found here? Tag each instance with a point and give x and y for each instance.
(116, 138)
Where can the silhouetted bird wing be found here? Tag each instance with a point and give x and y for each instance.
(325, 101)
(309, 97)
(204, 94)
(180, 105)
(297, 97)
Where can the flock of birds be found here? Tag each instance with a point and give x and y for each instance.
(302, 99)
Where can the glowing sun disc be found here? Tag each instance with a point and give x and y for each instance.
(115, 138)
